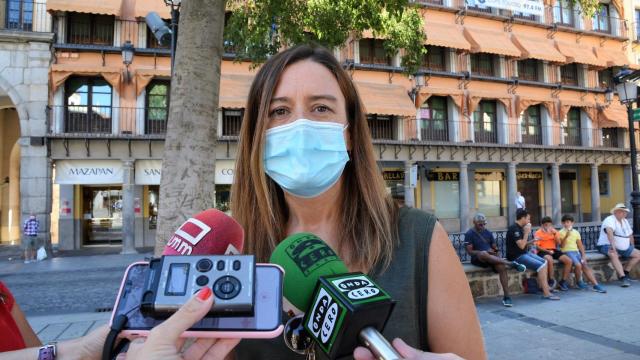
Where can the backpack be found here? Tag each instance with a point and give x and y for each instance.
(530, 285)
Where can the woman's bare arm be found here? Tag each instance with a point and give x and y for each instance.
(453, 324)
(29, 336)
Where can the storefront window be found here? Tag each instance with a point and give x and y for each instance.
(447, 199)
(489, 193)
(154, 196)
(223, 194)
(102, 214)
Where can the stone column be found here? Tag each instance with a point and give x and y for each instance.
(128, 216)
(512, 186)
(556, 198)
(409, 198)
(464, 195)
(595, 193)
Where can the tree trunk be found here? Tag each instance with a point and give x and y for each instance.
(188, 167)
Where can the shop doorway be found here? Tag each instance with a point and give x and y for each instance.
(530, 189)
(102, 215)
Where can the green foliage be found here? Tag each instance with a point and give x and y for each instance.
(589, 7)
(259, 28)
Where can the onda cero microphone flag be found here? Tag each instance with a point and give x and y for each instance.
(338, 305)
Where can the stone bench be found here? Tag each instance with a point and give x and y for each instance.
(485, 283)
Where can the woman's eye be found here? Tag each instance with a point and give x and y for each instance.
(278, 112)
(322, 108)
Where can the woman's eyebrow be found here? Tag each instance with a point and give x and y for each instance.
(323, 97)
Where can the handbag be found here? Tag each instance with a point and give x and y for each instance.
(41, 254)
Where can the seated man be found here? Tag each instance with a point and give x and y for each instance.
(481, 245)
(517, 241)
(616, 241)
(547, 247)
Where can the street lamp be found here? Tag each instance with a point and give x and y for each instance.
(128, 51)
(175, 17)
(166, 35)
(626, 84)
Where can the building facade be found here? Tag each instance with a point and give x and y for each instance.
(505, 102)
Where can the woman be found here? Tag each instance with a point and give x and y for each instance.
(305, 163)
(16, 332)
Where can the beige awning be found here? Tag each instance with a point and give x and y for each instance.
(524, 102)
(492, 42)
(579, 53)
(234, 90)
(612, 57)
(104, 7)
(589, 107)
(447, 35)
(541, 49)
(474, 98)
(613, 116)
(456, 95)
(59, 73)
(144, 76)
(143, 7)
(385, 99)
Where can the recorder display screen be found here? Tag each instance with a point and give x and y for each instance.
(177, 280)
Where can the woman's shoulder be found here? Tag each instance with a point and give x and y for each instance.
(410, 213)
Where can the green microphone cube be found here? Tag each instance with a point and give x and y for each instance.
(342, 305)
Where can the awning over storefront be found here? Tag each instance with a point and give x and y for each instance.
(88, 172)
(524, 102)
(612, 56)
(447, 35)
(104, 7)
(586, 105)
(541, 49)
(143, 7)
(579, 53)
(144, 77)
(59, 73)
(493, 42)
(613, 116)
(234, 90)
(385, 99)
(456, 94)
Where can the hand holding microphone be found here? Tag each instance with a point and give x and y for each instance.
(406, 351)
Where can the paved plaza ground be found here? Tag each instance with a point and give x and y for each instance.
(66, 297)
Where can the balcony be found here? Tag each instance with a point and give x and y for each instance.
(25, 16)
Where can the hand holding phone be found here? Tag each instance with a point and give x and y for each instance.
(163, 343)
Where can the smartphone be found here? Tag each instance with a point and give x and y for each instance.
(266, 321)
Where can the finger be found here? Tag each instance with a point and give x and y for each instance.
(221, 349)
(190, 313)
(405, 350)
(198, 348)
(362, 353)
(134, 348)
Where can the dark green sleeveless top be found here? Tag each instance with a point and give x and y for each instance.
(405, 280)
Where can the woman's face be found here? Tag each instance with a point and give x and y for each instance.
(307, 90)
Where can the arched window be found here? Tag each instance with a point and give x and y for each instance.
(433, 119)
(87, 105)
(157, 110)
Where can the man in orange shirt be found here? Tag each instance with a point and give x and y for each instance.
(546, 244)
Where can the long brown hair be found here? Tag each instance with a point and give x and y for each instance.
(368, 214)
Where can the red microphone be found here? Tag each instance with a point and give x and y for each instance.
(210, 232)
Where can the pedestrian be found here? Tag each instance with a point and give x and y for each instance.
(547, 248)
(520, 202)
(616, 241)
(481, 245)
(30, 239)
(517, 244)
(571, 244)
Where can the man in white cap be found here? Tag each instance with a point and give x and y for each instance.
(616, 241)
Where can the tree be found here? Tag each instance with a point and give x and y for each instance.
(256, 30)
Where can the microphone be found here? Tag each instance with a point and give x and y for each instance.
(340, 307)
(210, 232)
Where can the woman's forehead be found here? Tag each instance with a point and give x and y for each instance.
(307, 78)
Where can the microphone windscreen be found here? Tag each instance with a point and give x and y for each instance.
(304, 258)
(210, 232)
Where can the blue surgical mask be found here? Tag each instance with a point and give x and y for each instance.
(305, 157)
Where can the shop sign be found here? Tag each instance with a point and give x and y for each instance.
(488, 176)
(529, 175)
(88, 172)
(224, 172)
(443, 176)
(526, 7)
(148, 172)
(395, 175)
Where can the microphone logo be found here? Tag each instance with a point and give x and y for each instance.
(325, 315)
(188, 235)
(357, 288)
(309, 253)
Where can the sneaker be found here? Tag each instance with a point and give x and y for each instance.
(599, 288)
(563, 285)
(550, 297)
(582, 285)
(625, 282)
(552, 283)
(506, 301)
(628, 276)
(519, 267)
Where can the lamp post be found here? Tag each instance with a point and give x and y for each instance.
(626, 83)
(128, 51)
(175, 17)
